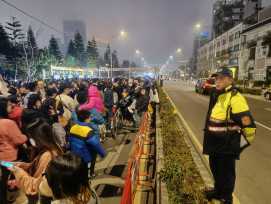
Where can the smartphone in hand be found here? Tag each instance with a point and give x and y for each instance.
(7, 164)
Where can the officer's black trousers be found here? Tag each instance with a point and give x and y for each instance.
(223, 169)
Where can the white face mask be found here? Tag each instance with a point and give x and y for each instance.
(33, 143)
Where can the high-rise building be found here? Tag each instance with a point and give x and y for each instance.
(70, 27)
(198, 41)
(251, 7)
(226, 15)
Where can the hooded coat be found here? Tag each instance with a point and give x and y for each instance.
(94, 101)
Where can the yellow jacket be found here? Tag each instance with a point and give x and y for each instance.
(228, 118)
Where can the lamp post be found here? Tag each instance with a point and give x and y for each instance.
(137, 52)
(121, 33)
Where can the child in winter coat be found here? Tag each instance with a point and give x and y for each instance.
(94, 101)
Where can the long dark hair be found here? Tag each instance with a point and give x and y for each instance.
(67, 176)
(32, 100)
(3, 108)
(41, 132)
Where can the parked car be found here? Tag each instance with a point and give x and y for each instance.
(267, 94)
(205, 85)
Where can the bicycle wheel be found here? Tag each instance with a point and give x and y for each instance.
(113, 129)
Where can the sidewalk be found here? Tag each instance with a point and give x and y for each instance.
(111, 171)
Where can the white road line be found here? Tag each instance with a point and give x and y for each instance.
(268, 128)
(203, 98)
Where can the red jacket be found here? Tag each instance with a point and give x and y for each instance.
(16, 115)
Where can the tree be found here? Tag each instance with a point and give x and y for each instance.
(92, 53)
(15, 36)
(79, 49)
(71, 49)
(54, 48)
(115, 60)
(125, 64)
(107, 55)
(5, 44)
(133, 64)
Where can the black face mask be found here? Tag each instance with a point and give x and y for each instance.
(45, 199)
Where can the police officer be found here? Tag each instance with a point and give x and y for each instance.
(229, 128)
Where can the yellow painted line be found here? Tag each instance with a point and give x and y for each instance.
(235, 199)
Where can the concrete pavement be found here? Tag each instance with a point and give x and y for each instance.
(253, 170)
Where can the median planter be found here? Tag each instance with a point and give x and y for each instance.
(184, 182)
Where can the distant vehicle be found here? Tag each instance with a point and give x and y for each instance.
(267, 94)
(205, 86)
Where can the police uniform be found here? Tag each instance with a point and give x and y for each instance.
(229, 129)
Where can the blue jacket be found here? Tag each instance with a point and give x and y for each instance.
(84, 143)
(96, 119)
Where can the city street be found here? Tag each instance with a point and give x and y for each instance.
(253, 169)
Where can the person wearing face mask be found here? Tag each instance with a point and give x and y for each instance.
(32, 111)
(141, 106)
(29, 176)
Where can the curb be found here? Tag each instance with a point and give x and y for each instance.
(161, 188)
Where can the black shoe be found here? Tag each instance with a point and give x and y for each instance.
(212, 194)
(226, 202)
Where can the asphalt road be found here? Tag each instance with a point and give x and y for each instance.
(254, 168)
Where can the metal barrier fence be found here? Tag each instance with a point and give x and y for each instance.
(132, 176)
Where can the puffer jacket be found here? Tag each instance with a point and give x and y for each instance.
(142, 103)
(109, 98)
(96, 119)
(84, 143)
(94, 101)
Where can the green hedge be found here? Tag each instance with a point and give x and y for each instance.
(184, 182)
(251, 91)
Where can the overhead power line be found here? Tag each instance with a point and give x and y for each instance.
(33, 17)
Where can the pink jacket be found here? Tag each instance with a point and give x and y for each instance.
(94, 101)
(10, 138)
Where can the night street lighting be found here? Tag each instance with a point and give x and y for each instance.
(179, 50)
(171, 57)
(121, 33)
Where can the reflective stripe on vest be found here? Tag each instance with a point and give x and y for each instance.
(224, 129)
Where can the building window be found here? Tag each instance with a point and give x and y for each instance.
(252, 37)
(224, 41)
(236, 47)
(234, 61)
(237, 35)
(240, 16)
(231, 38)
(218, 44)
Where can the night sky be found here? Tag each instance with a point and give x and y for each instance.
(155, 27)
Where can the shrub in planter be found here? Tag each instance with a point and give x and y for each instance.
(184, 182)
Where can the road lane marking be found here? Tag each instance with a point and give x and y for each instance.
(203, 98)
(268, 128)
(235, 199)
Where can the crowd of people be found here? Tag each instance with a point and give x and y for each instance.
(50, 131)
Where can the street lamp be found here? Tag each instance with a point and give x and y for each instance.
(121, 33)
(171, 57)
(179, 50)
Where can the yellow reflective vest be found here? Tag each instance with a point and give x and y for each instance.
(229, 126)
